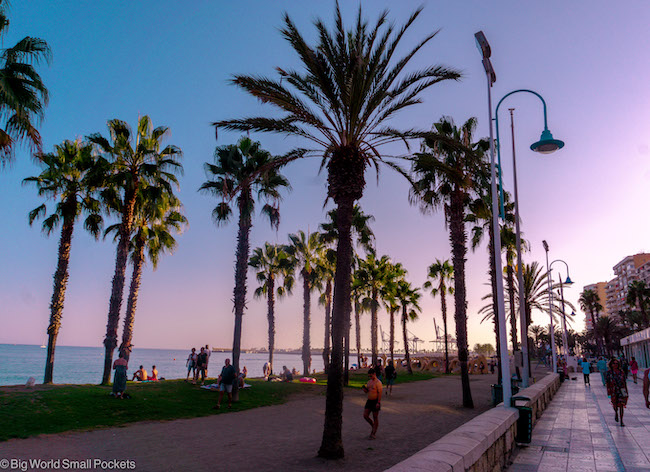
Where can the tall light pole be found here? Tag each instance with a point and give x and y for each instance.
(550, 309)
(500, 312)
(569, 282)
(546, 145)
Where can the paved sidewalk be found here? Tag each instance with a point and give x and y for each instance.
(578, 432)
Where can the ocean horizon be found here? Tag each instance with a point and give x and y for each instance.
(84, 364)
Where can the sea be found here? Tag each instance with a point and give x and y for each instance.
(84, 365)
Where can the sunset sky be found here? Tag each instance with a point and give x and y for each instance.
(172, 60)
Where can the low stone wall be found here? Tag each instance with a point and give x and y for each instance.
(484, 443)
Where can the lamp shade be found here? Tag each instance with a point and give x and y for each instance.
(546, 143)
(568, 281)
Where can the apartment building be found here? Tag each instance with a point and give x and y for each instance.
(613, 294)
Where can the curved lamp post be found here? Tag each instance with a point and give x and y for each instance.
(545, 145)
(568, 282)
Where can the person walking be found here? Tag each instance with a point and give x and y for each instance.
(602, 368)
(391, 375)
(208, 351)
(634, 368)
(226, 379)
(646, 387)
(617, 389)
(625, 366)
(586, 370)
(373, 388)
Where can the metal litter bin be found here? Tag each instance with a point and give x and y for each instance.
(497, 394)
(525, 421)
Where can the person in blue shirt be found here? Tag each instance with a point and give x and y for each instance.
(586, 370)
(602, 368)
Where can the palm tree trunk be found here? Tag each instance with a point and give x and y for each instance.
(392, 335)
(332, 442)
(458, 239)
(357, 325)
(407, 356)
(131, 304)
(270, 288)
(58, 297)
(306, 344)
(239, 293)
(373, 327)
(328, 324)
(493, 284)
(513, 314)
(117, 290)
(346, 353)
(443, 302)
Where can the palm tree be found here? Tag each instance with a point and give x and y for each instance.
(24, 96)
(358, 299)
(327, 266)
(239, 172)
(389, 293)
(638, 294)
(307, 254)
(537, 332)
(446, 175)
(371, 276)
(157, 216)
(590, 302)
(273, 264)
(440, 274)
(350, 86)
(133, 165)
(71, 176)
(610, 332)
(409, 298)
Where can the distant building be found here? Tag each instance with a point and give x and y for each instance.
(613, 294)
(600, 289)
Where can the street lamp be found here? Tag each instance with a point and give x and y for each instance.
(550, 309)
(545, 145)
(568, 282)
(500, 311)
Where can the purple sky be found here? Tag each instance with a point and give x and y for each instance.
(118, 60)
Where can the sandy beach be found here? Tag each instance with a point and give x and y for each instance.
(284, 437)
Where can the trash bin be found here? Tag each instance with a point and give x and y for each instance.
(561, 377)
(525, 421)
(497, 394)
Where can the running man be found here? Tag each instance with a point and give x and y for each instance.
(373, 388)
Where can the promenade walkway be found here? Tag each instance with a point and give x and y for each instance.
(578, 432)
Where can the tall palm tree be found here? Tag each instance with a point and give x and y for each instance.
(24, 95)
(307, 254)
(409, 298)
(389, 293)
(610, 332)
(273, 264)
(134, 164)
(327, 266)
(371, 276)
(440, 277)
(358, 300)
(157, 217)
(590, 303)
(71, 175)
(350, 84)
(638, 294)
(537, 331)
(241, 171)
(447, 176)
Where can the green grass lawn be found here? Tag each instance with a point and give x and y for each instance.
(63, 408)
(55, 409)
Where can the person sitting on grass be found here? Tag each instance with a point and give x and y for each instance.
(225, 381)
(154, 374)
(119, 379)
(287, 375)
(140, 374)
(242, 376)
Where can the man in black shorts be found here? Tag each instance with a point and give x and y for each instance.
(373, 388)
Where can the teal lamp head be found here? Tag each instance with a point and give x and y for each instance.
(546, 143)
(568, 281)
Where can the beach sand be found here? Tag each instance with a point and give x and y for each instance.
(276, 438)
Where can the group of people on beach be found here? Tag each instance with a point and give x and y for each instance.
(613, 375)
(197, 364)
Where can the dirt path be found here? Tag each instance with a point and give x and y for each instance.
(276, 438)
